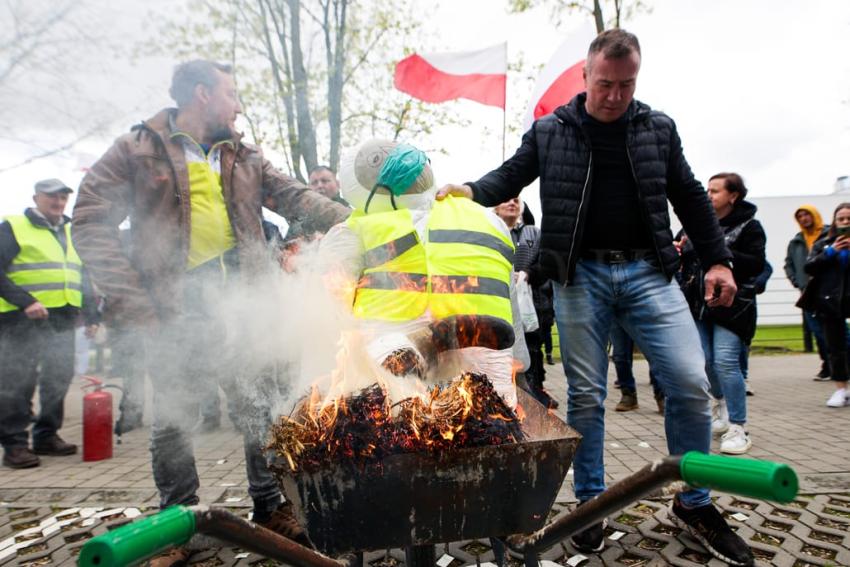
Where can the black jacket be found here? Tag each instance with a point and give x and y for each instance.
(557, 150)
(795, 259)
(746, 239)
(827, 292)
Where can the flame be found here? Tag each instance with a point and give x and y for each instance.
(363, 427)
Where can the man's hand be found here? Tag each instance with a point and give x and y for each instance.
(91, 330)
(456, 190)
(720, 286)
(36, 311)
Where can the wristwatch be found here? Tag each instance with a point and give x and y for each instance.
(727, 262)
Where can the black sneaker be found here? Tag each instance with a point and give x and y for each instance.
(710, 528)
(590, 540)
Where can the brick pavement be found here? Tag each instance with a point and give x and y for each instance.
(788, 422)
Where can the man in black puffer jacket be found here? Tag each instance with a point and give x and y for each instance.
(608, 165)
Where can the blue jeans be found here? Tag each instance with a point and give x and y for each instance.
(653, 311)
(722, 350)
(622, 355)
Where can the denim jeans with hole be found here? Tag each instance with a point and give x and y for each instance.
(722, 350)
(653, 311)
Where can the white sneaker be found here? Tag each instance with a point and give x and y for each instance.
(735, 441)
(838, 399)
(719, 417)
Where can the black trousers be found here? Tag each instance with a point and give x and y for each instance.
(546, 332)
(35, 353)
(536, 373)
(834, 331)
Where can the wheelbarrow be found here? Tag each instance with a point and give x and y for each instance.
(415, 501)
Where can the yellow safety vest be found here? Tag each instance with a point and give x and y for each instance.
(50, 274)
(464, 269)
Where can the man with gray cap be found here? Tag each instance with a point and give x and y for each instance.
(41, 296)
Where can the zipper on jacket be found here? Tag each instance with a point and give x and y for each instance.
(643, 210)
(570, 265)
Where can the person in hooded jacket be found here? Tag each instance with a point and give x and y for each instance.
(828, 296)
(811, 230)
(723, 330)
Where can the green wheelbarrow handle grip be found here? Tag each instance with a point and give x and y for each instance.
(746, 477)
(139, 540)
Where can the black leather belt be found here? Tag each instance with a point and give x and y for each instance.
(617, 256)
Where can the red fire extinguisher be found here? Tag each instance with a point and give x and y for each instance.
(97, 421)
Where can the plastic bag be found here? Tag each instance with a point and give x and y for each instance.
(526, 306)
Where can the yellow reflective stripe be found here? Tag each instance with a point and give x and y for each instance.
(390, 250)
(470, 284)
(400, 281)
(472, 237)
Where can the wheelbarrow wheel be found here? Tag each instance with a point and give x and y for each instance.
(420, 556)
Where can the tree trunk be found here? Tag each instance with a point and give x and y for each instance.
(597, 16)
(277, 16)
(306, 132)
(336, 65)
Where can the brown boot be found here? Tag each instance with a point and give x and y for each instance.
(283, 522)
(174, 557)
(628, 401)
(20, 458)
(660, 402)
(55, 446)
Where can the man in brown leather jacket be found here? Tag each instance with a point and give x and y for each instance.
(193, 192)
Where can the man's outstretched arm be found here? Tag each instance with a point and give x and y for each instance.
(504, 182)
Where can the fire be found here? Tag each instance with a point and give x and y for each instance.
(367, 427)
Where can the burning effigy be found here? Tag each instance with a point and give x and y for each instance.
(429, 285)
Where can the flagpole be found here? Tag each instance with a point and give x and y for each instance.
(505, 107)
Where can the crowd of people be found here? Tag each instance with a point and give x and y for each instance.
(603, 267)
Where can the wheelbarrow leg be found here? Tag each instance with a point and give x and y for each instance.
(530, 558)
(420, 556)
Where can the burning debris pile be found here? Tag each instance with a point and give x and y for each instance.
(366, 427)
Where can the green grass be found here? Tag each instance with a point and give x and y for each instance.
(778, 339)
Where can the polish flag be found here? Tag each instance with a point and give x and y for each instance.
(437, 77)
(561, 79)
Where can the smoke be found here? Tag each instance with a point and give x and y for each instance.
(288, 332)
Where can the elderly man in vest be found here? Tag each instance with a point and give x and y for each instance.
(431, 281)
(41, 284)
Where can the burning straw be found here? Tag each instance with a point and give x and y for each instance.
(366, 427)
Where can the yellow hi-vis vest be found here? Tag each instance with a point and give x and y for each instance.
(51, 275)
(464, 269)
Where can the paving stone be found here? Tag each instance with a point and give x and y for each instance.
(788, 422)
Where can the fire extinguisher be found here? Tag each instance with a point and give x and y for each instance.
(97, 421)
